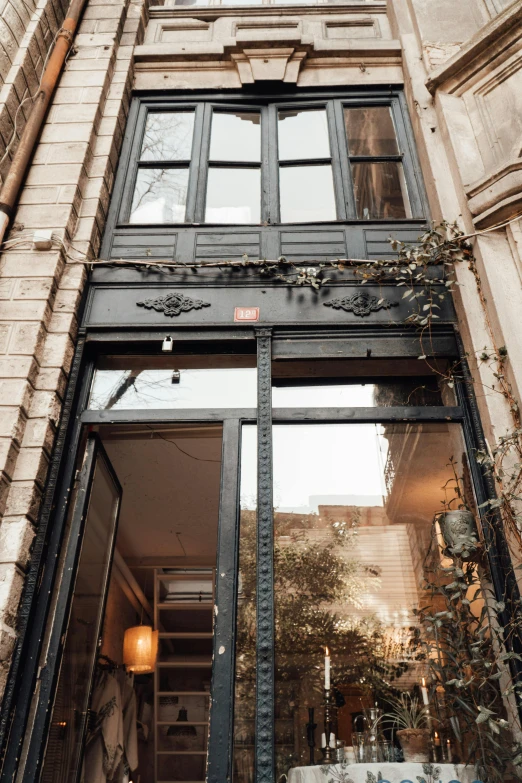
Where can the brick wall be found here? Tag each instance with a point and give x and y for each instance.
(67, 190)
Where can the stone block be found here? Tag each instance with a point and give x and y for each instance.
(15, 391)
(8, 454)
(23, 499)
(11, 584)
(110, 11)
(6, 288)
(63, 323)
(45, 404)
(5, 333)
(60, 174)
(66, 300)
(12, 423)
(39, 433)
(33, 310)
(16, 538)
(35, 264)
(26, 338)
(67, 153)
(73, 114)
(50, 216)
(52, 379)
(67, 132)
(31, 465)
(40, 288)
(58, 351)
(39, 195)
(12, 367)
(73, 278)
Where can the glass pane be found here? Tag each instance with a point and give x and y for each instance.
(336, 393)
(160, 196)
(168, 136)
(303, 134)
(233, 196)
(245, 685)
(236, 136)
(380, 191)
(72, 696)
(361, 565)
(186, 383)
(307, 194)
(370, 131)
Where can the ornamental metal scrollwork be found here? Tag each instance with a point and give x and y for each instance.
(361, 304)
(264, 750)
(173, 304)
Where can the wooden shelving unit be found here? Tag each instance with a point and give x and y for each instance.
(170, 584)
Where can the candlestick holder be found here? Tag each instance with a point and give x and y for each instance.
(330, 723)
(433, 749)
(310, 733)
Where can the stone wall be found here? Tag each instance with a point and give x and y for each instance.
(66, 190)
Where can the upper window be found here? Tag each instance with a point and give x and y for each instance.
(306, 162)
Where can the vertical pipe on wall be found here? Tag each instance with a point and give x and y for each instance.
(15, 177)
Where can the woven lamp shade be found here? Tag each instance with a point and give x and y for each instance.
(140, 649)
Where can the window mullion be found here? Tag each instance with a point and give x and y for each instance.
(346, 182)
(274, 215)
(194, 165)
(201, 194)
(265, 165)
(335, 162)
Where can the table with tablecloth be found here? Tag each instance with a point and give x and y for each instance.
(383, 773)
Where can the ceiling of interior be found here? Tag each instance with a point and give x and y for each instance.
(170, 478)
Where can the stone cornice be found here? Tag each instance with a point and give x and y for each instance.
(500, 33)
(215, 11)
(497, 196)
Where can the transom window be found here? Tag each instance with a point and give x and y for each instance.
(317, 161)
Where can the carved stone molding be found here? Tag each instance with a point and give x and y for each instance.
(497, 196)
(361, 304)
(274, 64)
(173, 304)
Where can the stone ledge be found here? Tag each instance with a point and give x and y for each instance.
(492, 39)
(498, 196)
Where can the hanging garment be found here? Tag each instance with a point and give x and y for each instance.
(104, 744)
(129, 761)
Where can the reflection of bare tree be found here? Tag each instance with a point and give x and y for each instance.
(168, 136)
(168, 187)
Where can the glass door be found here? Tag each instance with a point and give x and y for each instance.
(93, 519)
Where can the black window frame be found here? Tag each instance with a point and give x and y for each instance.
(268, 107)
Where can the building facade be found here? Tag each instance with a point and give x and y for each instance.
(189, 433)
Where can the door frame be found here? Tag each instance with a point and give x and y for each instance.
(93, 452)
(42, 570)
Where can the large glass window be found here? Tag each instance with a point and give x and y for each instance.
(244, 164)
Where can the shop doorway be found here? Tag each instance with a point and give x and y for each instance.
(148, 501)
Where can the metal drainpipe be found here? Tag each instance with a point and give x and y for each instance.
(22, 156)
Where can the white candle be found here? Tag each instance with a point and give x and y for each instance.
(323, 740)
(332, 739)
(327, 669)
(424, 691)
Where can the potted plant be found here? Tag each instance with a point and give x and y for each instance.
(413, 733)
(457, 525)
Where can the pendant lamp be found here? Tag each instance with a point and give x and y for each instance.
(182, 728)
(140, 649)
